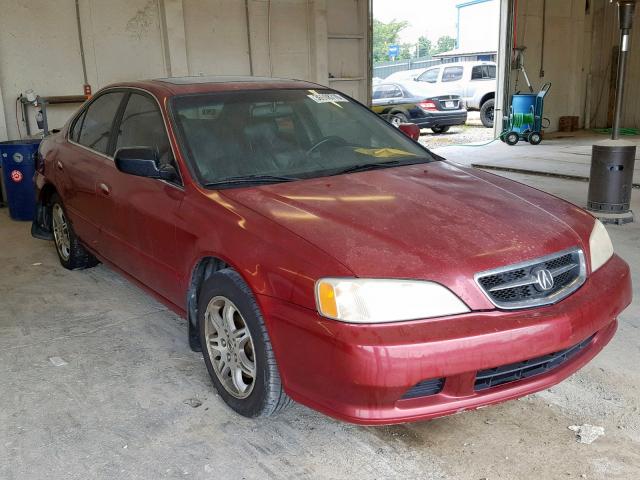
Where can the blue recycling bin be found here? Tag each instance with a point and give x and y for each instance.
(18, 167)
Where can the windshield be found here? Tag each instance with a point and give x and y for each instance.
(283, 135)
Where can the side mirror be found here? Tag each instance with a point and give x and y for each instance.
(142, 162)
(411, 130)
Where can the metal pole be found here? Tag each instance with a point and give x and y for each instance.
(625, 16)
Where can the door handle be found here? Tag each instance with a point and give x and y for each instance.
(59, 165)
(104, 188)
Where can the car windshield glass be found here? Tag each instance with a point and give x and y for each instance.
(278, 135)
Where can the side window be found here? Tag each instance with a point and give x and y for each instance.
(452, 74)
(395, 92)
(386, 91)
(430, 76)
(476, 73)
(76, 127)
(98, 120)
(491, 71)
(142, 126)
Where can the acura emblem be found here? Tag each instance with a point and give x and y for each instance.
(544, 279)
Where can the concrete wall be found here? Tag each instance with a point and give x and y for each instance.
(133, 39)
(605, 37)
(577, 58)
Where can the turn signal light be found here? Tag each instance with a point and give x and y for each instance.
(327, 300)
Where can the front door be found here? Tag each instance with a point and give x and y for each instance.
(143, 211)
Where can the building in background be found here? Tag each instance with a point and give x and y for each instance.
(477, 32)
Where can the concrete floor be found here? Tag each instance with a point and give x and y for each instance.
(121, 403)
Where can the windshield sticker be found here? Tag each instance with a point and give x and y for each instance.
(384, 152)
(327, 98)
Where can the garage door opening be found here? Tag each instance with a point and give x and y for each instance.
(435, 64)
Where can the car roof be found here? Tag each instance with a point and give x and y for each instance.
(473, 64)
(172, 86)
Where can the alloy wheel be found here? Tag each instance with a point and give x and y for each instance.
(61, 232)
(230, 347)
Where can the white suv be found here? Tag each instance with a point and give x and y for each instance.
(475, 82)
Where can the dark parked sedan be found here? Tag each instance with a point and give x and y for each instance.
(399, 103)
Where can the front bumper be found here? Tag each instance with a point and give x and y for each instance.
(359, 373)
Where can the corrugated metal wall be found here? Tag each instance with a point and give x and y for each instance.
(325, 41)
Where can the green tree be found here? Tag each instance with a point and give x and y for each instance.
(407, 51)
(444, 44)
(385, 34)
(424, 46)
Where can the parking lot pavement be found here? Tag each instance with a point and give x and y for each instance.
(97, 381)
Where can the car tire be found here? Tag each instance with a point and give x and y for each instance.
(440, 129)
(71, 253)
(397, 118)
(487, 112)
(242, 365)
(534, 138)
(511, 138)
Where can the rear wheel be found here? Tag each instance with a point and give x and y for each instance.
(535, 138)
(236, 347)
(71, 253)
(487, 111)
(397, 118)
(440, 129)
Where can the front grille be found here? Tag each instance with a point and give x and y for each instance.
(526, 369)
(542, 281)
(425, 388)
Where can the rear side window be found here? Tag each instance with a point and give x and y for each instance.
(77, 126)
(387, 91)
(142, 126)
(430, 76)
(452, 74)
(98, 120)
(483, 72)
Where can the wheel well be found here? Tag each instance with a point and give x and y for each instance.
(487, 96)
(46, 193)
(206, 267)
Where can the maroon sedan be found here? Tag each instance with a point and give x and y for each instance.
(321, 255)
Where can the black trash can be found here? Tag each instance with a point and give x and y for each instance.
(611, 178)
(18, 168)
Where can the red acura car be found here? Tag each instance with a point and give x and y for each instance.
(321, 255)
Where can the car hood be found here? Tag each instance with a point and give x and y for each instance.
(432, 221)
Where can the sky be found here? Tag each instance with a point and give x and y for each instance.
(432, 18)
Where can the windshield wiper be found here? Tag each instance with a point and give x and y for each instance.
(250, 179)
(363, 167)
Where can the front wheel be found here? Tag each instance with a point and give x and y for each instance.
(236, 347)
(511, 138)
(487, 113)
(440, 129)
(71, 253)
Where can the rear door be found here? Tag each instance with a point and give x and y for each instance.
(143, 211)
(483, 79)
(452, 82)
(80, 164)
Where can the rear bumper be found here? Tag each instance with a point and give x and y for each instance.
(359, 373)
(441, 119)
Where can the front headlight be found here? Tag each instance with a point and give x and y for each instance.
(600, 246)
(376, 300)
